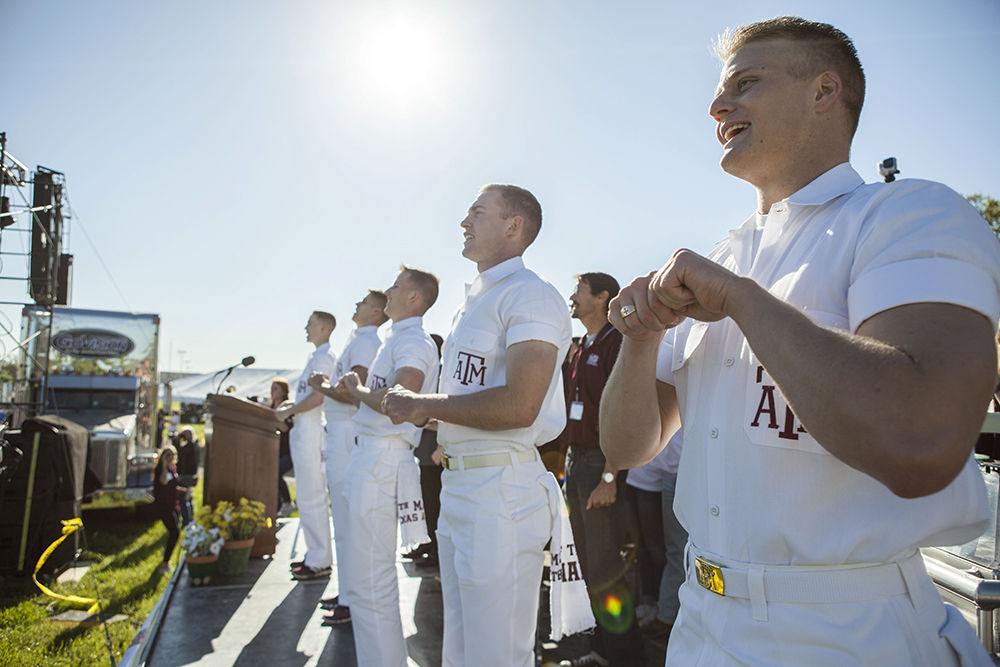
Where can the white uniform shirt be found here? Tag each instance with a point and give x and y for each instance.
(359, 351)
(320, 361)
(406, 345)
(753, 485)
(504, 305)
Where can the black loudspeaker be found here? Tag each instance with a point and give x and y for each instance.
(46, 233)
(64, 284)
(41, 484)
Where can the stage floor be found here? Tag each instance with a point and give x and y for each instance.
(267, 618)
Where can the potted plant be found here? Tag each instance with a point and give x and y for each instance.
(202, 545)
(239, 525)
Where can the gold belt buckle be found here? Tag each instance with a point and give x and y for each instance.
(446, 462)
(709, 576)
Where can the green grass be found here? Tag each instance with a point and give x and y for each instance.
(126, 553)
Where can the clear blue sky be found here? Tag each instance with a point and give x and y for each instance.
(237, 165)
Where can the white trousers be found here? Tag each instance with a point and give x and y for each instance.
(493, 527)
(339, 443)
(372, 585)
(913, 628)
(306, 442)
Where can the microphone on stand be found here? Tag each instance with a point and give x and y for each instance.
(246, 361)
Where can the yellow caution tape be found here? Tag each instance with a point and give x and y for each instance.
(68, 528)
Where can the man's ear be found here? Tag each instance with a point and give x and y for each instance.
(514, 225)
(828, 88)
(604, 296)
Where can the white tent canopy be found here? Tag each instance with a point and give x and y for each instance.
(244, 381)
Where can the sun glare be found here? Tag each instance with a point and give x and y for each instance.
(402, 62)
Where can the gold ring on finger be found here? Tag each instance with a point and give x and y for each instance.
(627, 310)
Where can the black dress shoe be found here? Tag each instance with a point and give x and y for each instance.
(305, 573)
(416, 553)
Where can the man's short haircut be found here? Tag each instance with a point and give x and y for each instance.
(424, 282)
(326, 318)
(518, 201)
(381, 299)
(285, 387)
(823, 48)
(600, 282)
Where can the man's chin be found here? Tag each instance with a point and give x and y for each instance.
(733, 164)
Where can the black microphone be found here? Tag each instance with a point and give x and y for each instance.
(246, 361)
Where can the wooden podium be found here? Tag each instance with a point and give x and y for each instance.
(241, 459)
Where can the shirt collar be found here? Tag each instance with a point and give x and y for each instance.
(408, 323)
(370, 328)
(829, 185)
(324, 347)
(494, 274)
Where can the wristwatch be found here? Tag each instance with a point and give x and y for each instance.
(608, 477)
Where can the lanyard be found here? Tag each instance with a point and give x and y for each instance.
(577, 362)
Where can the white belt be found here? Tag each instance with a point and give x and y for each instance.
(762, 584)
(385, 442)
(469, 461)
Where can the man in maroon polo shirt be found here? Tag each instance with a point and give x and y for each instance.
(597, 511)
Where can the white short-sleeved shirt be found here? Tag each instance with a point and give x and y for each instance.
(320, 361)
(753, 485)
(504, 305)
(359, 351)
(649, 477)
(406, 345)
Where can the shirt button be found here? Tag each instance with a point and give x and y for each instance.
(714, 433)
(730, 361)
(715, 510)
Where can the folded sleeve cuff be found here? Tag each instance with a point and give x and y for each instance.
(925, 280)
(534, 331)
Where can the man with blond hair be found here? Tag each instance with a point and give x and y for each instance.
(306, 444)
(501, 398)
(407, 359)
(830, 361)
(339, 409)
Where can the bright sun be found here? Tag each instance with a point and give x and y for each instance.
(402, 63)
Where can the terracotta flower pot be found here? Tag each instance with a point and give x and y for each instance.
(200, 568)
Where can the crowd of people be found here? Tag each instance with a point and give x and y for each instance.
(830, 362)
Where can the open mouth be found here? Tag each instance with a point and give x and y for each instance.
(733, 129)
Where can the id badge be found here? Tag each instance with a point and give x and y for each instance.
(576, 410)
